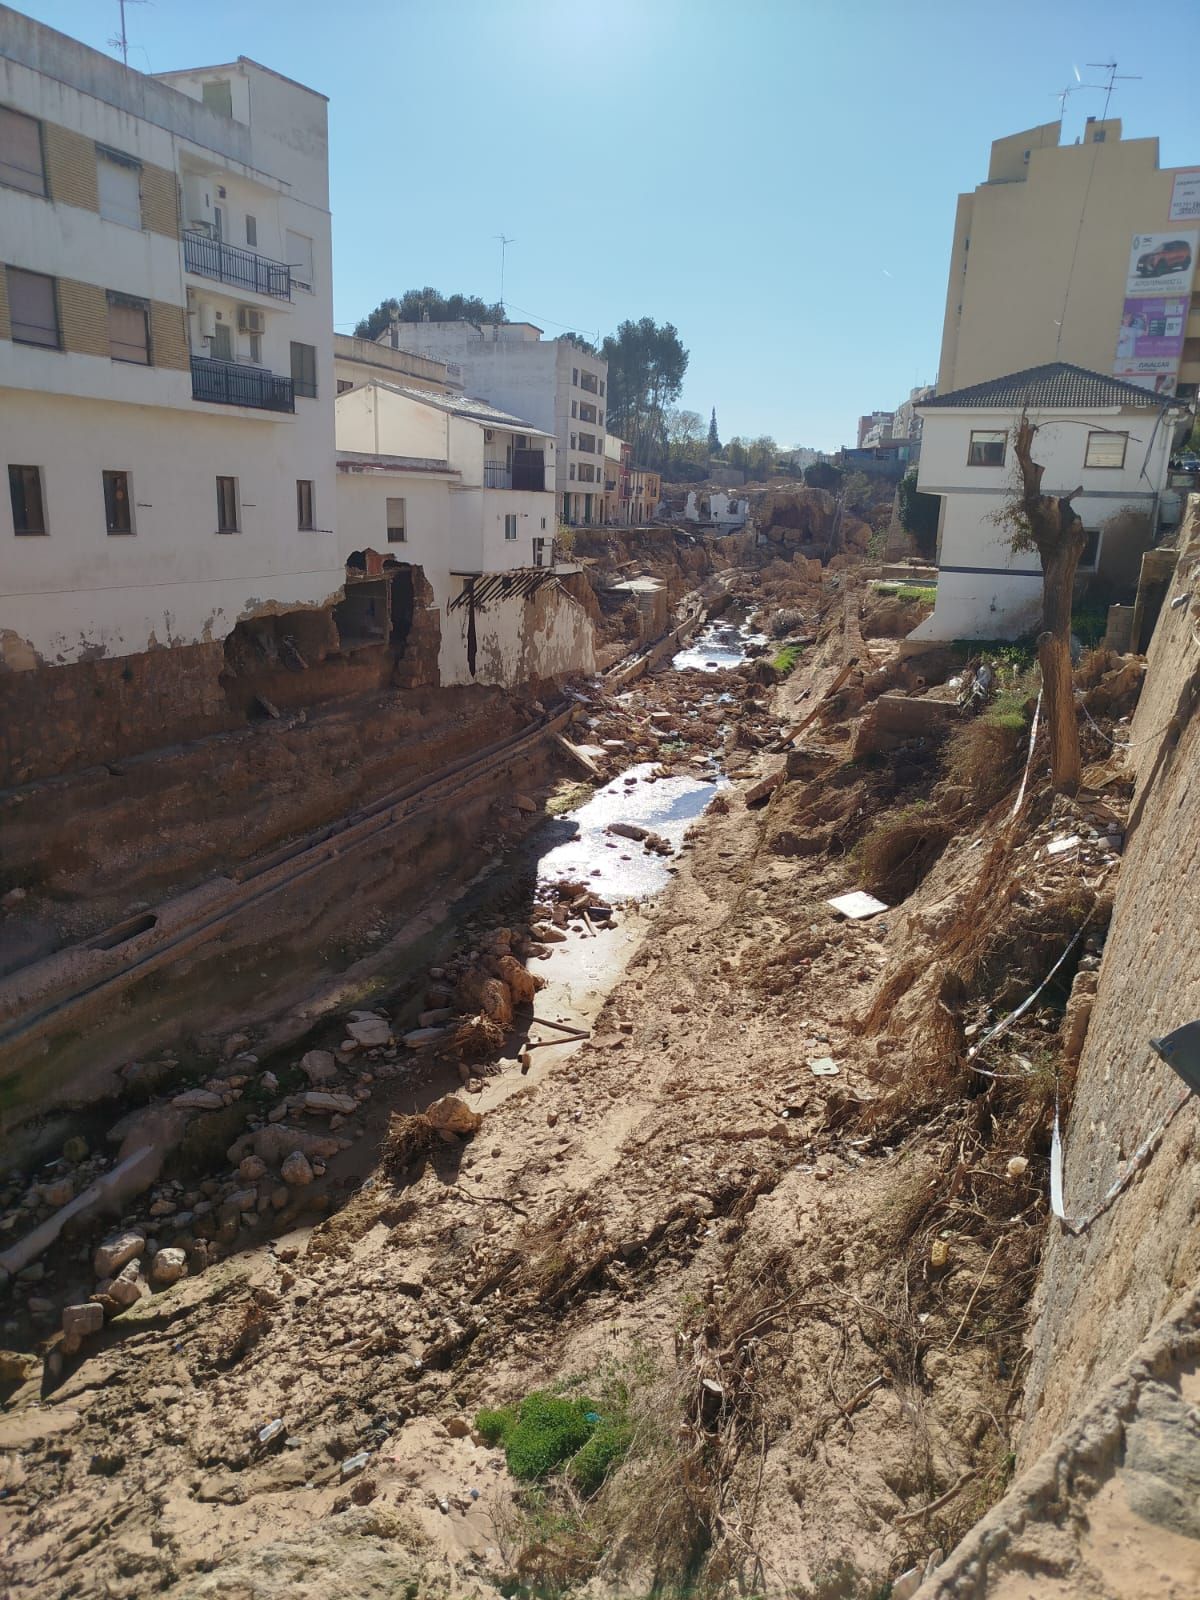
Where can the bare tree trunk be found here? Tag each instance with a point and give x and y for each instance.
(1058, 685)
(1057, 534)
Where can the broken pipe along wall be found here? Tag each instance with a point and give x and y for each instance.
(1101, 1293)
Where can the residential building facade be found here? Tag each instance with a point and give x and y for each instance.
(451, 497)
(166, 359)
(874, 428)
(555, 383)
(357, 361)
(618, 463)
(1112, 437)
(1082, 253)
(645, 492)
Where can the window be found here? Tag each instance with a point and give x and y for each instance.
(128, 329)
(510, 525)
(33, 309)
(986, 449)
(397, 525)
(602, 386)
(28, 507)
(118, 507)
(1099, 136)
(1105, 450)
(304, 503)
(227, 505)
(539, 552)
(300, 258)
(574, 408)
(21, 164)
(304, 369)
(574, 437)
(543, 524)
(575, 376)
(343, 384)
(255, 342)
(602, 419)
(251, 231)
(571, 470)
(218, 96)
(119, 182)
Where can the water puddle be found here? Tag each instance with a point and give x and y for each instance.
(666, 806)
(717, 647)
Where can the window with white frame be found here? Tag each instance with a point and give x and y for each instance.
(252, 231)
(304, 504)
(1105, 449)
(510, 525)
(986, 449)
(118, 502)
(28, 501)
(227, 505)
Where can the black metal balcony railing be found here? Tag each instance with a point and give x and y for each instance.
(245, 269)
(225, 383)
(496, 475)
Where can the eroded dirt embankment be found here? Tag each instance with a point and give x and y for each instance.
(770, 1218)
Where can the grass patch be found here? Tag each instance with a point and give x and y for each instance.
(1089, 623)
(1017, 656)
(923, 594)
(896, 855)
(567, 797)
(784, 660)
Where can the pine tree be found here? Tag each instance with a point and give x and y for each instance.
(714, 438)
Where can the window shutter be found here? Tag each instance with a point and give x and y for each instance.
(300, 258)
(120, 191)
(31, 307)
(127, 336)
(21, 152)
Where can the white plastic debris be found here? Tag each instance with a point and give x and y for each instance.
(1064, 842)
(823, 1067)
(857, 905)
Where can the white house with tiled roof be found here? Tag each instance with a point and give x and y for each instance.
(1107, 435)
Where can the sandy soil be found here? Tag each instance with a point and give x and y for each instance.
(680, 1198)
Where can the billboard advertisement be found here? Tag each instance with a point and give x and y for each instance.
(1185, 196)
(1161, 263)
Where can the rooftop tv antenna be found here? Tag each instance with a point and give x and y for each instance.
(1113, 77)
(1063, 95)
(505, 241)
(121, 42)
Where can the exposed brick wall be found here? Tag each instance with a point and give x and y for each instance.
(83, 309)
(160, 201)
(5, 324)
(168, 336)
(70, 167)
(57, 719)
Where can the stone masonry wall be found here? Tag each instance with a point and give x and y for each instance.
(1103, 1293)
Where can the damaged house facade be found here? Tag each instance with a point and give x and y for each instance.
(446, 519)
(1112, 437)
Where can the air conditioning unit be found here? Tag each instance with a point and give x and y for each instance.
(197, 203)
(488, 435)
(251, 320)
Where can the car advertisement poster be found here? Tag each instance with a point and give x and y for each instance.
(1185, 196)
(1161, 263)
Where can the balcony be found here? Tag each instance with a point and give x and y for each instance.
(528, 472)
(244, 269)
(225, 383)
(589, 381)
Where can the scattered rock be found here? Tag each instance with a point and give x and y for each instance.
(169, 1266)
(251, 1169)
(370, 1032)
(79, 1323)
(75, 1150)
(128, 1286)
(296, 1170)
(524, 804)
(321, 1100)
(318, 1066)
(451, 1115)
(520, 982)
(16, 1366)
(112, 1255)
(198, 1100)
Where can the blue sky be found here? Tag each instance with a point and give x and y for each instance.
(776, 177)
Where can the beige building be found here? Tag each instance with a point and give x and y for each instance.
(1044, 249)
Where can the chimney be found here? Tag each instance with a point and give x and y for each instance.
(395, 332)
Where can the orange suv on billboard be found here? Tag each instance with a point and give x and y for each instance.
(1174, 256)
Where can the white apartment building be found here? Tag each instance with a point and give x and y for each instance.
(1112, 437)
(556, 384)
(166, 354)
(462, 493)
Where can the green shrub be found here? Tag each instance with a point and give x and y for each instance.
(923, 594)
(496, 1425)
(786, 659)
(548, 1429)
(604, 1450)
